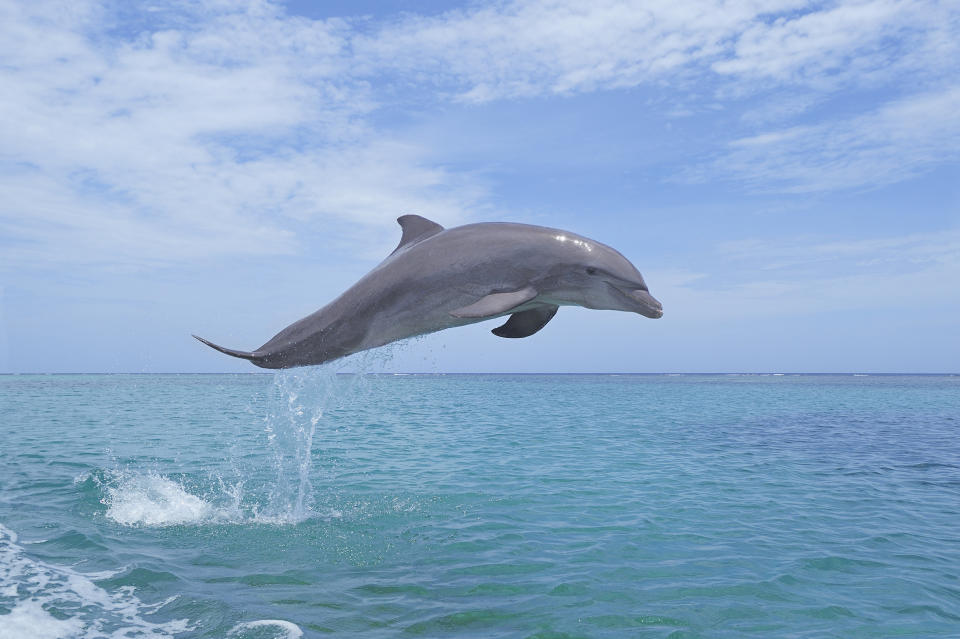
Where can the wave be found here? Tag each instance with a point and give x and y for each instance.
(31, 589)
(47, 601)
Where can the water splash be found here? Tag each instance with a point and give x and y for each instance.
(299, 406)
(299, 401)
(296, 404)
(149, 499)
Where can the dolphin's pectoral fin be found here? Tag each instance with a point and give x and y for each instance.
(526, 323)
(415, 229)
(496, 303)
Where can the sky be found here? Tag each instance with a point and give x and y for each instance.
(785, 174)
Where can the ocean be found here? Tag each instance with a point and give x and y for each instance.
(310, 504)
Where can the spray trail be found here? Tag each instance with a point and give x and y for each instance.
(300, 403)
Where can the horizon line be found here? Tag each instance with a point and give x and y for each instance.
(404, 373)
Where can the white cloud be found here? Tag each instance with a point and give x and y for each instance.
(211, 138)
(48, 225)
(549, 47)
(537, 47)
(847, 43)
(223, 128)
(892, 143)
(794, 54)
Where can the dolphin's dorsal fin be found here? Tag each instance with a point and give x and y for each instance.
(526, 323)
(496, 303)
(415, 229)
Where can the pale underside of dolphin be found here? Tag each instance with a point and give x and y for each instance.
(440, 278)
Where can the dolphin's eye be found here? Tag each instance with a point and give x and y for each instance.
(591, 270)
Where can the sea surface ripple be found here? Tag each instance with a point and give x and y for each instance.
(310, 504)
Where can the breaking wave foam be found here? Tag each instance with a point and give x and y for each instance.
(33, 590)
(56, 602)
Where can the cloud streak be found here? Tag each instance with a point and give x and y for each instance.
(228, 128)
(890, 144)
(183, 143)
(839, 45)
(546, 47)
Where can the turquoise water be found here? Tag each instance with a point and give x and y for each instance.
(311, 504)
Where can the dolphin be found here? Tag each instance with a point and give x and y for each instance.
(439, 278)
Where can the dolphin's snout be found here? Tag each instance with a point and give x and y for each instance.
(649, 305)
(636, 300)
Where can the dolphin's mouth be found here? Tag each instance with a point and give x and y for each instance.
(645, 303)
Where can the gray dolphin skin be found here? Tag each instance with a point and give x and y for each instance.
(440, 278)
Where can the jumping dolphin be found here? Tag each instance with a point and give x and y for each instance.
(439, 278)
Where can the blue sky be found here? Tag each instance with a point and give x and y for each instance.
(784, 174)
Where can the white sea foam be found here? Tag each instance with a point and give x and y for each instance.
(32, 588)
(154, 500)
(149, 499)
(284, 629)
(29, 619)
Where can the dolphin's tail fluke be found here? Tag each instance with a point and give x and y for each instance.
(229, 351)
